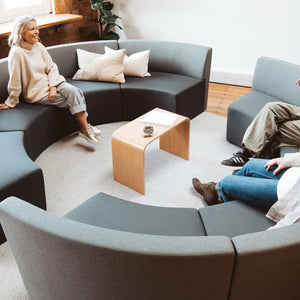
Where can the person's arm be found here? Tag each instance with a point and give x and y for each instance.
(289, 160)
(15, 81)
(4, 106)
(298, 82)
(52, 70)
(52, 93)
(292, 159)
(279, 161)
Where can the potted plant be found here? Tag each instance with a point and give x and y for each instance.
(106, 19)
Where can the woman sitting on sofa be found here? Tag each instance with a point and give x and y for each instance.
(34, 75)
(271, 184)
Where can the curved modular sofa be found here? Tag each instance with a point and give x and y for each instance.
(178, 83)
(220, 252)
(110, 248)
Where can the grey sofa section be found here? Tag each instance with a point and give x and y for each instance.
(267, 265)
(234, 218)
(162, 89)
(179, 88)
(273, 80)
(178, 72)
(64, 259)
(19, 175)
(129, 257)
(133, 217)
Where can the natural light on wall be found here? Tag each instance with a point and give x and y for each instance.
(10, 9)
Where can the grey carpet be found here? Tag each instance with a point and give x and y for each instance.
(75, 170)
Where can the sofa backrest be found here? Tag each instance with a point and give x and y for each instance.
(277, 78)
(65, 55)
(173, 57)
(267, 265)
(57, 256)
(4, 77)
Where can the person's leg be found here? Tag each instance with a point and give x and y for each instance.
(82, 120)
(68, 96)
(253, 184)
(256, 168)
(75, 101)
(261, 192)
(265, 126)
(71, 97)
(288, 135)
(241, 188)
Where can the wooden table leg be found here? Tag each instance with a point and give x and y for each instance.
(128, 165)
(177, 140)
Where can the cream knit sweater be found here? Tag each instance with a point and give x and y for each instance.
(32, 73)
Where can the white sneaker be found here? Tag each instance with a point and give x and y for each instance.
(95, 130)
(89, 135)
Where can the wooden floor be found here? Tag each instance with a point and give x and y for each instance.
(221, 95)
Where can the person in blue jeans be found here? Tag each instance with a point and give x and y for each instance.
(256, 183)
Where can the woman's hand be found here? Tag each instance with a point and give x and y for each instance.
(52, 93)
(298, 82)
(276, 161)
(4, 106)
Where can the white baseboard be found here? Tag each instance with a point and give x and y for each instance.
(231, 78)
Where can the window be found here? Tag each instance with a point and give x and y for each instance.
(10, 9)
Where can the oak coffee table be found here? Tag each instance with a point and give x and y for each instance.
(128, 145)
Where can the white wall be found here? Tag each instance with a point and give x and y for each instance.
(239, 31)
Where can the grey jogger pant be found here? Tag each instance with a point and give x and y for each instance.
(277, 124)
(68, 96)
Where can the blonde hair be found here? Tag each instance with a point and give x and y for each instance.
(20, 26)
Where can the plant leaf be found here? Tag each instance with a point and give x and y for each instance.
(111, 36)
(96, 4)
(107, 5)
(106, 13)
(108, 27)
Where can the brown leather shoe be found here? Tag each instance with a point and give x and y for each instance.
(207, 190)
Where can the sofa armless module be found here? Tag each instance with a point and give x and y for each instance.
(273, 80)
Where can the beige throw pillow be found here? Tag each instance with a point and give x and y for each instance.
(136, 64)
(100, 67)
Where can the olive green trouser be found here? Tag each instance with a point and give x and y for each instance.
(276, 125)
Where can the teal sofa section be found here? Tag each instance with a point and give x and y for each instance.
(273, 80)
(110, 248)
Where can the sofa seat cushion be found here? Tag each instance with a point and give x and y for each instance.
(19, 175)
(177, 93)
(242, 112)
(233, 218)
(42, 125)
(104, 210)
(103, 100)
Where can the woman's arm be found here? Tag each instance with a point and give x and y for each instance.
(4, 106)
(15, 81)
(52, 93)
(52, 70)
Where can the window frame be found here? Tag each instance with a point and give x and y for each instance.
(8, 15)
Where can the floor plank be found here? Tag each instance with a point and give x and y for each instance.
(221, 95)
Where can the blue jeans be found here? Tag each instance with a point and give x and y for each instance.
(252, 184)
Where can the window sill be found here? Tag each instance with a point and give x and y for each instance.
(43, 22)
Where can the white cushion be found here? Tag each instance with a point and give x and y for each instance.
(136, 64)
(100, 67)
